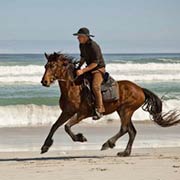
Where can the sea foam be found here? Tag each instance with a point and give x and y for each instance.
(134, 72)
(38, 115)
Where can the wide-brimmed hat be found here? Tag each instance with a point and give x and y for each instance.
(83, 31)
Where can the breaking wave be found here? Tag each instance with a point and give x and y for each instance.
(38, 115)
(134, 72)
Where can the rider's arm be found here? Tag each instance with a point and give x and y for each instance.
(81, 62)
(90, 67)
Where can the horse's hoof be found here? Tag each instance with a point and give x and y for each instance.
(44, 149)
(80, 137)
(107, 145)
(123, 154)
(46, 146)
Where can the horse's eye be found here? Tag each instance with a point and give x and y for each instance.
(52, 66)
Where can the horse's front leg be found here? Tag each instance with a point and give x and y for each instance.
(73, 121)
(61, 120)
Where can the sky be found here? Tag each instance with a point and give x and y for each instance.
(119, 26)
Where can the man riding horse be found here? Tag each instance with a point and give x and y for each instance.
(90, 53)
(75, 107)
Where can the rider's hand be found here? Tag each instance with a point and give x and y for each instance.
(79, 72)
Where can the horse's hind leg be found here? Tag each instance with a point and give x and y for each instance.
(110, 143)
(75, 120)
(126, 126)
(132, 134)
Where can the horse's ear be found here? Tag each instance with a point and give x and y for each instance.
(47, 56)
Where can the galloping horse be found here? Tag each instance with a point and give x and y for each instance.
(75, 107)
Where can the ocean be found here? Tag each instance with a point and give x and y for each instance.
(25, 102)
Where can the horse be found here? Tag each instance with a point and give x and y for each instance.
(75, 107)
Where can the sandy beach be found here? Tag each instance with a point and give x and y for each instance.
(144, 164)
(20, 157)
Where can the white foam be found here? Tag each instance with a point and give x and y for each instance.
(21, 70)
(21, 79)
(144, 67)
(133, 72)
(34, 115)
(169, 60)
(28, 115)
(38, 69)
(147, 77)
(120, 76)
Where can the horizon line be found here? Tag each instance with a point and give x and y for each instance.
(106, 53)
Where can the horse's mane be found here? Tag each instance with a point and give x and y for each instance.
(66, 57)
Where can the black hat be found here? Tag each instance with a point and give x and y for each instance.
(83, 31)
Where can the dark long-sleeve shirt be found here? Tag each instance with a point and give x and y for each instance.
(91, 53)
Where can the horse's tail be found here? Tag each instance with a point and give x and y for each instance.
(153, 105)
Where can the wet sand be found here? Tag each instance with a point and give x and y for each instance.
(32, 138)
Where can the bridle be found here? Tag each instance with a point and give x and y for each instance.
(67, 68)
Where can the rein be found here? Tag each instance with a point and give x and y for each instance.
(67, 68)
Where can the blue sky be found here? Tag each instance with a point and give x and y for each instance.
(121, 26)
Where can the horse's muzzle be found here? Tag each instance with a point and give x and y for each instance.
(45, 83)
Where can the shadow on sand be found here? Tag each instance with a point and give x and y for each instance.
(51, 158)
(69, 158)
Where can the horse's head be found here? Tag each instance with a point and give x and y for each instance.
(58, 67)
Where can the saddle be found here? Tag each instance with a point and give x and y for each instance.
(109, 88)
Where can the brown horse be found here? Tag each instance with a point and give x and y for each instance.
(75, 107)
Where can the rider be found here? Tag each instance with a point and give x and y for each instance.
(90, 53)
